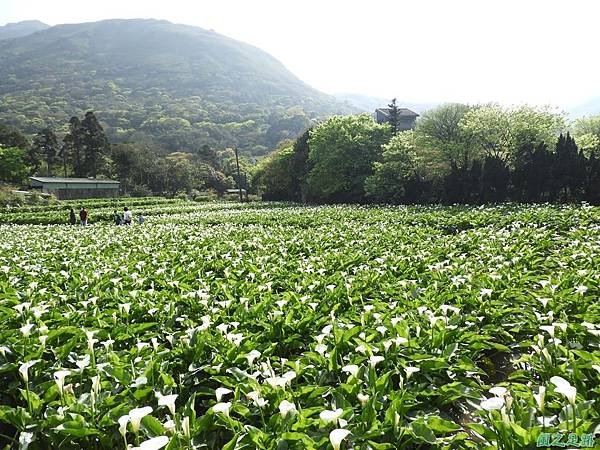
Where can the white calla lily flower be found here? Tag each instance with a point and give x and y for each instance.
(154, 443)
(169, 402)
(498, 391)
(286, 408)
(351, 369)
(328, 415)
(221, 392)
(337, 436)
(59, 379)
(24, 369)
(123, 421)
(493, 403)
(136, 415)
(222, 408)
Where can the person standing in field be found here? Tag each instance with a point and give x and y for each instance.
(127, 216)
(83, 216)
(117, 217)
(72, 217)
(141, 219)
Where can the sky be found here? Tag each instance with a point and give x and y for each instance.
(542, 52)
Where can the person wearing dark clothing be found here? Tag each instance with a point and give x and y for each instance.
(117, 217)
(72, 217)
(83, 216)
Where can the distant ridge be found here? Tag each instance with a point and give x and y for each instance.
(20, 29)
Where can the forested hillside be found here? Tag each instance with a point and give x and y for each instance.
(178, 86)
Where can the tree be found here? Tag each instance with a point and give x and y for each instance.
(495, 176)
(499, 131)
(441, 128)
(11, 137)
(283, 174)
(342, 151)
(587, 125)
(394, 116)
(587, 134)
(95, 143)
(72, 149)
(392, 177)
(132, 164)
(588, 143)
(568, 169)
(276, 178)
(33, 159)
(46, 143)
(13, 167)
(592, 181)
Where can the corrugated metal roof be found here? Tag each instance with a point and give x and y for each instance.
(402, 112)
(50, 180)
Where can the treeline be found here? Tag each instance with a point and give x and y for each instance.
(142, 169)
(456, 154)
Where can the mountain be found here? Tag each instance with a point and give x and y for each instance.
(178, 86)
(370, 104)
(19, 29)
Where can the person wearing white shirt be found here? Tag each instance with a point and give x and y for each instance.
(127, 216)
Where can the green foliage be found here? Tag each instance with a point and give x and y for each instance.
(456, 154)
(95, 144)
(499, 131)
(11, 137)
(13, 167)
(442, 131)
(393, 114)
(398, 168)
(270, 325)
(342, 151)
(587, 134)
(275, 176)
(45, 144)
(587, 125)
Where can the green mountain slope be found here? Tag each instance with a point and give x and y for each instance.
(19, 29)
(180, 86)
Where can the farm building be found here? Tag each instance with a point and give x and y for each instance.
(406, 117)
(71, 188)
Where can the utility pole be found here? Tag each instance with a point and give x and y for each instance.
(239, 177)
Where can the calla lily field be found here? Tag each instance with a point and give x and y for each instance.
(277, 326)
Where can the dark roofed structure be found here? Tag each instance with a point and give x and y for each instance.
(406, 117)
(72, 188)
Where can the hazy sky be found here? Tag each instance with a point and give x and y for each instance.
(511, 51)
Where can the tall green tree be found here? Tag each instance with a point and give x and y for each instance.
(95, 144)
(394, 114)
(72, 151)
(592, 182)
(46, 144)
(532, 176)
(568, 171)
(495, 177)
(342, 151)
